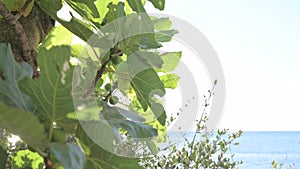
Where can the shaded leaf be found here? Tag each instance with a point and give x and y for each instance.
(14, 73)
(137, 72)
(102, 7)
(31, 131)
(100, 42)
(146, 84)
(50, 6)
(159, 112)
(52, 92)
(16, 107)
(85, 8)
(136, 5)
(3, 157)
(149, 41)
(165, 36)
(150, 58)
(99, 158)
(150, 118)
(101, 133)
(78, 27)
(69, 155)
(128, 32)
(87, 114)
(133, 116)
(82, 29)
(121, 118)
(115, 12)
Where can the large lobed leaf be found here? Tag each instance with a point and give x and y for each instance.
(102, 6)
(98, 158)
(138, 71)
(3, 157)
(23, 124)
(70, 155)
(16, 107)
(115, 12)
(52, 92)
(137, 6)
(82, 29)
(14, 73)
(86, 8)
(129, 121)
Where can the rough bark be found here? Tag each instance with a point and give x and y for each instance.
(24, 34)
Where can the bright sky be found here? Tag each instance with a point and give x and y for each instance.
(257, 42)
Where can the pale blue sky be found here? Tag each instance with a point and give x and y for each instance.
(257, 42)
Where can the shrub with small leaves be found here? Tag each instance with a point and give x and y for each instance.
(206, 150)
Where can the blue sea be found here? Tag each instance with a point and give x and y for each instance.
(258, 149)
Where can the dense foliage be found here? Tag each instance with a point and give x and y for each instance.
(209, 150)
(36, 98)
(64, 99)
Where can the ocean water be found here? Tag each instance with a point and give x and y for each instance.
(258, 149)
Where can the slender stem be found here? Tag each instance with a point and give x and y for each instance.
(202, 115)
(43, 154)
(98, 76)
(108, 96)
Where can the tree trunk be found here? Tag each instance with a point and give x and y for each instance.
(25, 33)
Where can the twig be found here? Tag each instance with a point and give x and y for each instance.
(112, 90)
(26, 50)
(113, 52)
(98, 76)
(206, 104)
(108, 96)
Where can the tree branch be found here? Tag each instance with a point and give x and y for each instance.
(29, 54)
(98, 76)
